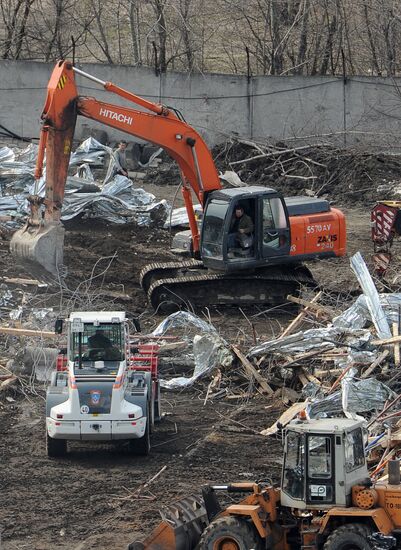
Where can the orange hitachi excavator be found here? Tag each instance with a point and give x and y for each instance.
(261, 268)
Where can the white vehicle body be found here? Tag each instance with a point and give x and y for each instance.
(100, 395)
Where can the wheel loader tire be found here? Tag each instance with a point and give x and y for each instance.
(229, 532)
(141, 446)
(56, 448)
(353, 536)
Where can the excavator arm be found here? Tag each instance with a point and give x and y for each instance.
(42, 237)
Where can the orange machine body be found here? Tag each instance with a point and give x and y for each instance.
(318, 234)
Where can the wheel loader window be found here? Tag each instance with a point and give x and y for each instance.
(98, 343)
(319, 456)
(354, 450)
(294, 466)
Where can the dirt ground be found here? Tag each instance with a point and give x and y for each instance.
(85, 500)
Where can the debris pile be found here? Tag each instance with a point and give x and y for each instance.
(347, 175)
(346, 365)
(118, 201)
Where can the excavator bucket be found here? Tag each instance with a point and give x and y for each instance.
(41, 244)
(181, 528)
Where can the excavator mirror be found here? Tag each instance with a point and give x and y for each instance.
(58, 326)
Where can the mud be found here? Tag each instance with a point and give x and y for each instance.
(86, 500)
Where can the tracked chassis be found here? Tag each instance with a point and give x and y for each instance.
(189, 284)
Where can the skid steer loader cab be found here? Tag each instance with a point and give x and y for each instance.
(322, 462)
(224, 249)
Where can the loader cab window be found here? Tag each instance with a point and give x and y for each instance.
(213, 228)
(319, 458)
(97, 343)
(320, 469)
(293, 481)
(354, 450)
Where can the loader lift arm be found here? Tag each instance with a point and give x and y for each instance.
(161, 126)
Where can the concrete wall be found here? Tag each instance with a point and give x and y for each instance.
(362, 109)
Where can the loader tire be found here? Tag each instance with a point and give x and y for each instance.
(353, 536)
(141, 446)
(229, 533)
(56, 448)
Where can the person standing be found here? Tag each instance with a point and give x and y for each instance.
(118, 163)
(120, 159)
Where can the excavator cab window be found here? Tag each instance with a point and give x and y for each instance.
(275, 227)
(213, 228)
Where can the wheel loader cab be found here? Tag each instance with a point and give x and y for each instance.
(96, 344)
(264, 233)
(323, 459)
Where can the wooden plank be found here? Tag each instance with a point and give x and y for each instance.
(310, 377)
(20, 281)
(375, 363)
(397, 361)
(252, 371)
(387, 341)
(296, 360)
(27, 332)
(285, 418)
(299, 318)
(311, 305)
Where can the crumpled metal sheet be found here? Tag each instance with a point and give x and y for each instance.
(181, 319)
(113, 209)
(210, 352)
(358, 314)
(11, 204)
(90, 152)
(232, 178)
(123, 188)
(6, 154)
(372, 297)
(361, 396)
(84, 172)
(300, 342)
(179, 216)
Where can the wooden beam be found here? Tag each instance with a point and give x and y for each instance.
(299, 318)
(27, 332)
(375, 363)
(311, 305)
(252, 371)
(397, 361)
(296, 360)
(387, 341)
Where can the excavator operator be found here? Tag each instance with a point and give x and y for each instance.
(241, 230)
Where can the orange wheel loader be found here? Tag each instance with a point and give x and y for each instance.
(326, 501)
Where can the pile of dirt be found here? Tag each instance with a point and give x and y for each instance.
(347, 176)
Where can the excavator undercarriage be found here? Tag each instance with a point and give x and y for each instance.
(172, 285)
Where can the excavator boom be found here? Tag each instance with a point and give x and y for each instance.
(42, 237)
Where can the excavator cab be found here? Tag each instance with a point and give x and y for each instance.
(262, 236)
